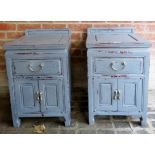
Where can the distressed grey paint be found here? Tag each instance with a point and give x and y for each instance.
(118, 71)
(103, 94)
(26, 67)
(110, 65)
(39, 75)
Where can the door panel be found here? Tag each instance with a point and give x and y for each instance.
(52, 95)
(104, 94)
(130, 94)
(26, 99)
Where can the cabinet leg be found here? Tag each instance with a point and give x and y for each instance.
(143, 121)
(16, 122)
(67, 120)
(91, 120)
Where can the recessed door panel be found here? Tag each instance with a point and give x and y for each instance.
(26, 96)
(104, 94)
(130, 94)
(51, 95)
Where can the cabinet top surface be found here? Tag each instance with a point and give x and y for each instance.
(114, 37)
(42, 39)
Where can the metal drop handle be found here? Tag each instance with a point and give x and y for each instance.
(115, 95)
(118, 94)
(40, 67)
(37, 96)
(41, 95)
(123, 64)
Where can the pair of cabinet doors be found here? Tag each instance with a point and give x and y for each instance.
(35, 96)
(122, 95)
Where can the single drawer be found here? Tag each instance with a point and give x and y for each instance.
(118, 66)
(37, 67)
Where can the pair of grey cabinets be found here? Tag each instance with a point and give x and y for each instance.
(38, 70)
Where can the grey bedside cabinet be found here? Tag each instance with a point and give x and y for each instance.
(118, 72)
(39, 74)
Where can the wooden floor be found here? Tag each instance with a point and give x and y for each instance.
(103, 125)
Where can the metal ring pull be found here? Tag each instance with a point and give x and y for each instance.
(122, 65)
(40, 67)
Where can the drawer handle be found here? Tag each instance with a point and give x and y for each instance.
(122, 66)
(40, 67)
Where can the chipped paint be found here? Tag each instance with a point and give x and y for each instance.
(125, 52)
(112, 52)
(25, 81)
(123, 75)
(27, 53)
(116, 52)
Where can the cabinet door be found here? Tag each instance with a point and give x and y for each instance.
(26, 96)
(130, 94)
(105, 94)
(51, 95)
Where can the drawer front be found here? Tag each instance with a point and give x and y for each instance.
(118, 66)
(37, 67)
